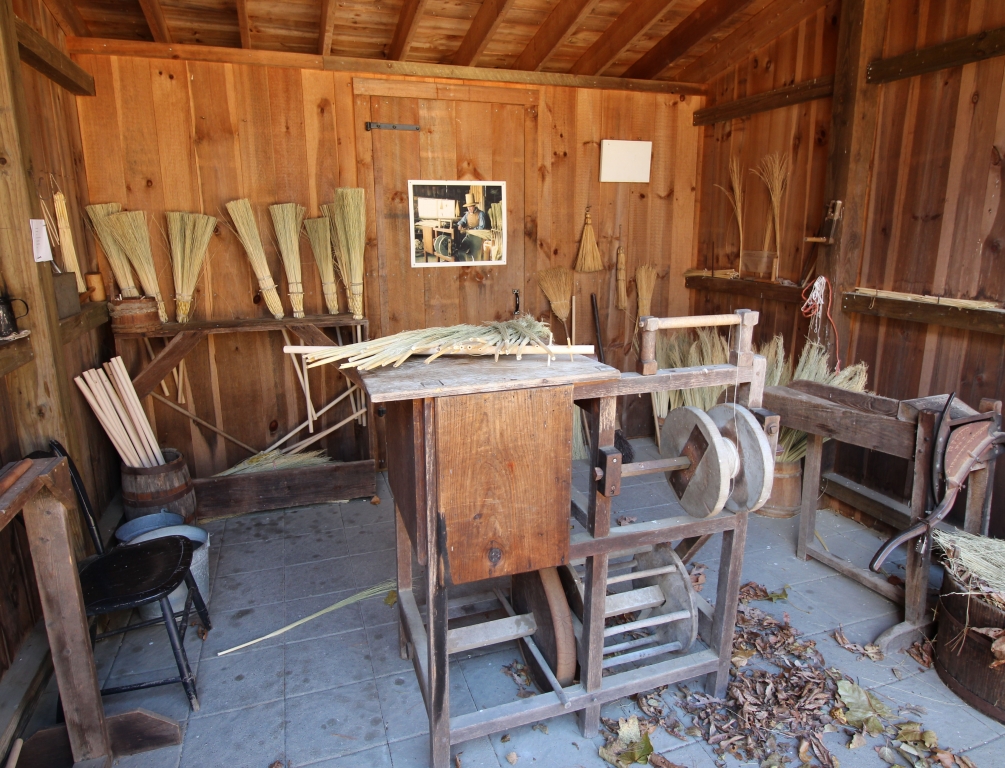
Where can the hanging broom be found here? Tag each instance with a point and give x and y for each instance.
(288, 218)
(645, 282)
(622, 279)
(589, 254)
(350, 230)
(131, 233)
(557, 284)
(247, 232)
(189, 235)
(70, 263)
(121, 270)
(320, 237)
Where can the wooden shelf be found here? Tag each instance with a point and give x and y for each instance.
(968, 318)
(92, 315)
(245, 325)
(791, 294)
(14, 354)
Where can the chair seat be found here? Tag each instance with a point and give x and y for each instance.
(135, 574)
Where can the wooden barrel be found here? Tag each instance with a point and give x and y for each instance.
(146, 490)
(786, 491)
(134, 314)
(963, 662)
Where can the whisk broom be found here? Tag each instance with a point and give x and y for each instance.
(121, 270)
(589, 254)
(247, 232)
(320, 237)
(189, 235)
(557, 284)
(133, 237)
(288, 219)
(645, 283)
(350, 229)
(622, 280)
(70, 263)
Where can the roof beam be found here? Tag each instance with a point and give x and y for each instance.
(633, 22)
(404, 33)
(42, 56)
(154, 14)
(68, 17)
(954, 53)
(679, 40)
(555, 30)
(327, 26)
(786, 96)
(483, 27)
(244, 23)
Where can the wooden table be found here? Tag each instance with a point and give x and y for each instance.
(44, 496)
(479, 461)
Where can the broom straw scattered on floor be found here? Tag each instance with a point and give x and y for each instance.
(131, 233)
(589, 254)
(247, 232)
(288, 219)
(189, 235)
(645, 284)
(66, 247)
(320, 236)
(622, 280)
(350, 229)
(557, 284)
(121, 269)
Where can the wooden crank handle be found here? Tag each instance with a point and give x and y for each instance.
(14, 474)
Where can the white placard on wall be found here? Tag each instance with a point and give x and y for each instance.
(625, 160)
(40, 240)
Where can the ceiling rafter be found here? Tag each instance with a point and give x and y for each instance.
(626, 29)
(244, 23)
(327, 26)
(679, 40)
(557, 27)
(404, 32)
(153, 12)
(483, 27)
(68, 17)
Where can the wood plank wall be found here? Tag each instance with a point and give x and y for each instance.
(176, 135)
(804, 52)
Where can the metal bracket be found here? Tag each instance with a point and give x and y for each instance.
(609, 482)
(389, 126)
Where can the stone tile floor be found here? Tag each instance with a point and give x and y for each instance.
(335, 693)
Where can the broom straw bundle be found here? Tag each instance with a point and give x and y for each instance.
(557, 284)
(735, 196)
(247, 232)
(288, 219)
(131, 233)
(589, 254)
(349, 219)
(320, 237)
(645, 283)
(189, 235)
(774, 172)
(121, 270)
(70, 263)
(622, 279)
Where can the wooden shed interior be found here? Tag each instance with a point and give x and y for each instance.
(896, 108)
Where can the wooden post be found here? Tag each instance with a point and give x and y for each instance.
(811, 494)
(854, 117)
(727, 596)
(404, 558)
(40, 390)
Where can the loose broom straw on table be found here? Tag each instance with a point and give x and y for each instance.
(589, 254)
(130, 232)
(247, 232)
(288, 219)
(319, 235)
(66, 247)
(189, 235)
(557, 284)
(121, 269)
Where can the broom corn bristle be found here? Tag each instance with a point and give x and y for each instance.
(247, 232)
(121, 269)
(774, 172)
(589, 254)
(133, 237)
(320, 237)
(288, 219)
(189, 235)
(66, 247)
(349, 219)
(622, 280)
(557, 284)
(645, 284)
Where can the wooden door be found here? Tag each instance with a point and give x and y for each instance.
(457, 139)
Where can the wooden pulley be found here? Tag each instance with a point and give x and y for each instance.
(677, 591)
(755, 473)
(540, 593)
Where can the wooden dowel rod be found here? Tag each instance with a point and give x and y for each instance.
(115, 435)
(641, 574)
(130, 391)
(697, 321)
(303, 383)
(296, 448)
(102, 389)
(13, 475)
(206, 424)
(182, 379)
(645, 653)
(134, 411)
(652, 621)
(319, 414)
(150, 351)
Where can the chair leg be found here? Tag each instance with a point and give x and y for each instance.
(180, 657)
(200, 604)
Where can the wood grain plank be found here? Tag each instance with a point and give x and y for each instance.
(954, 53)
(244, 23)
(68, 17)
(817, 88)
(556, 28)
(153, 11)
(483, 26)
(404, 32)
(326, 25)
(43, 56)
(632, 23)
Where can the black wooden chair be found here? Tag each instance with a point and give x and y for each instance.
(133, 575)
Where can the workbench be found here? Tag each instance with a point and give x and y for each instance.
(479, 463)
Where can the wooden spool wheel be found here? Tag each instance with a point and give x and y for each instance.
(660, 609)
(541, 593)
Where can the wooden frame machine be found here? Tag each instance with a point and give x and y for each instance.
(479, 456)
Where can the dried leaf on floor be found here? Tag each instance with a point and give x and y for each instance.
(540, 727)
(752, 591)
(862, 708)
(457, 760)
(943, 757)
(805, 753)
(628, 744)
(869, 650)
(857, 740)
(965, 762)
(505, 738)
(698, 577)
(922, 652)
(512, 757)
(519, 674)
(278, 764)
(392, 597)
(375, 500)
(658, 761)
(627, 520)
(891, 756)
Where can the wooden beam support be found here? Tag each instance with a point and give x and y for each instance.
(679, 40)
(326, 26)
(817, 88)
(42, 56)
(92, 315)
(244, 24)
(404, 32)
(955, 53)
(153, 12)
(772, 21)
(172, 354)
(554, 30)
(67, 17)
(977, 320)
(14, 354)
(854, 119)
(483, 27)
(757, 289)
(142, 49)
(626, 29)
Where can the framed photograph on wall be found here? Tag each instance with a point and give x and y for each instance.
(458, 223)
